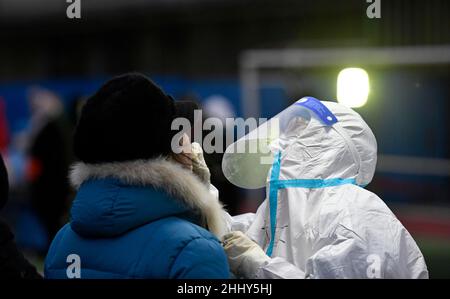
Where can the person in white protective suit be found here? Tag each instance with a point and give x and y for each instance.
(317, 220)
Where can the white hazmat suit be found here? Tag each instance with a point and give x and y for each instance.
(317, 220)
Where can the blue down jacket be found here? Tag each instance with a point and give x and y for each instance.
(123, 226)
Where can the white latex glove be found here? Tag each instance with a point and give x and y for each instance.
(245, 257)
(199, 166)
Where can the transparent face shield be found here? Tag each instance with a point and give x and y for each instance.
(247, 161)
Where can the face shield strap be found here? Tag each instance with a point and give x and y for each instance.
(320, 110)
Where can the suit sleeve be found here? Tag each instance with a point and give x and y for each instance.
(201, 259)
(331, 261)
(279, 268)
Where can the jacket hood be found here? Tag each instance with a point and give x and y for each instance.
(116, 197)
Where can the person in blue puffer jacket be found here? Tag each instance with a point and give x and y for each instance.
(138, 212)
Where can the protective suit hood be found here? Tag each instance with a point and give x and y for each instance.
(347, 149)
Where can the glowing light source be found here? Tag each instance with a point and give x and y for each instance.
(353, 87)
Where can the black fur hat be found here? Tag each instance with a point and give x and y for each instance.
(128, 118)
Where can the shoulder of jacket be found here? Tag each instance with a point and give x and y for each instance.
(184, 230)
(178, 238)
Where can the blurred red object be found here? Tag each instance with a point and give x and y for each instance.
(33, 170)
(4, 130)
(426, 226)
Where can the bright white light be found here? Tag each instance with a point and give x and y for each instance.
(353, 87)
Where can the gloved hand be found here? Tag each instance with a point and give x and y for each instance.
(244, 255)
(191, 157)
(199, 166)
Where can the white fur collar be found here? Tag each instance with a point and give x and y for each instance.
(162, 174)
